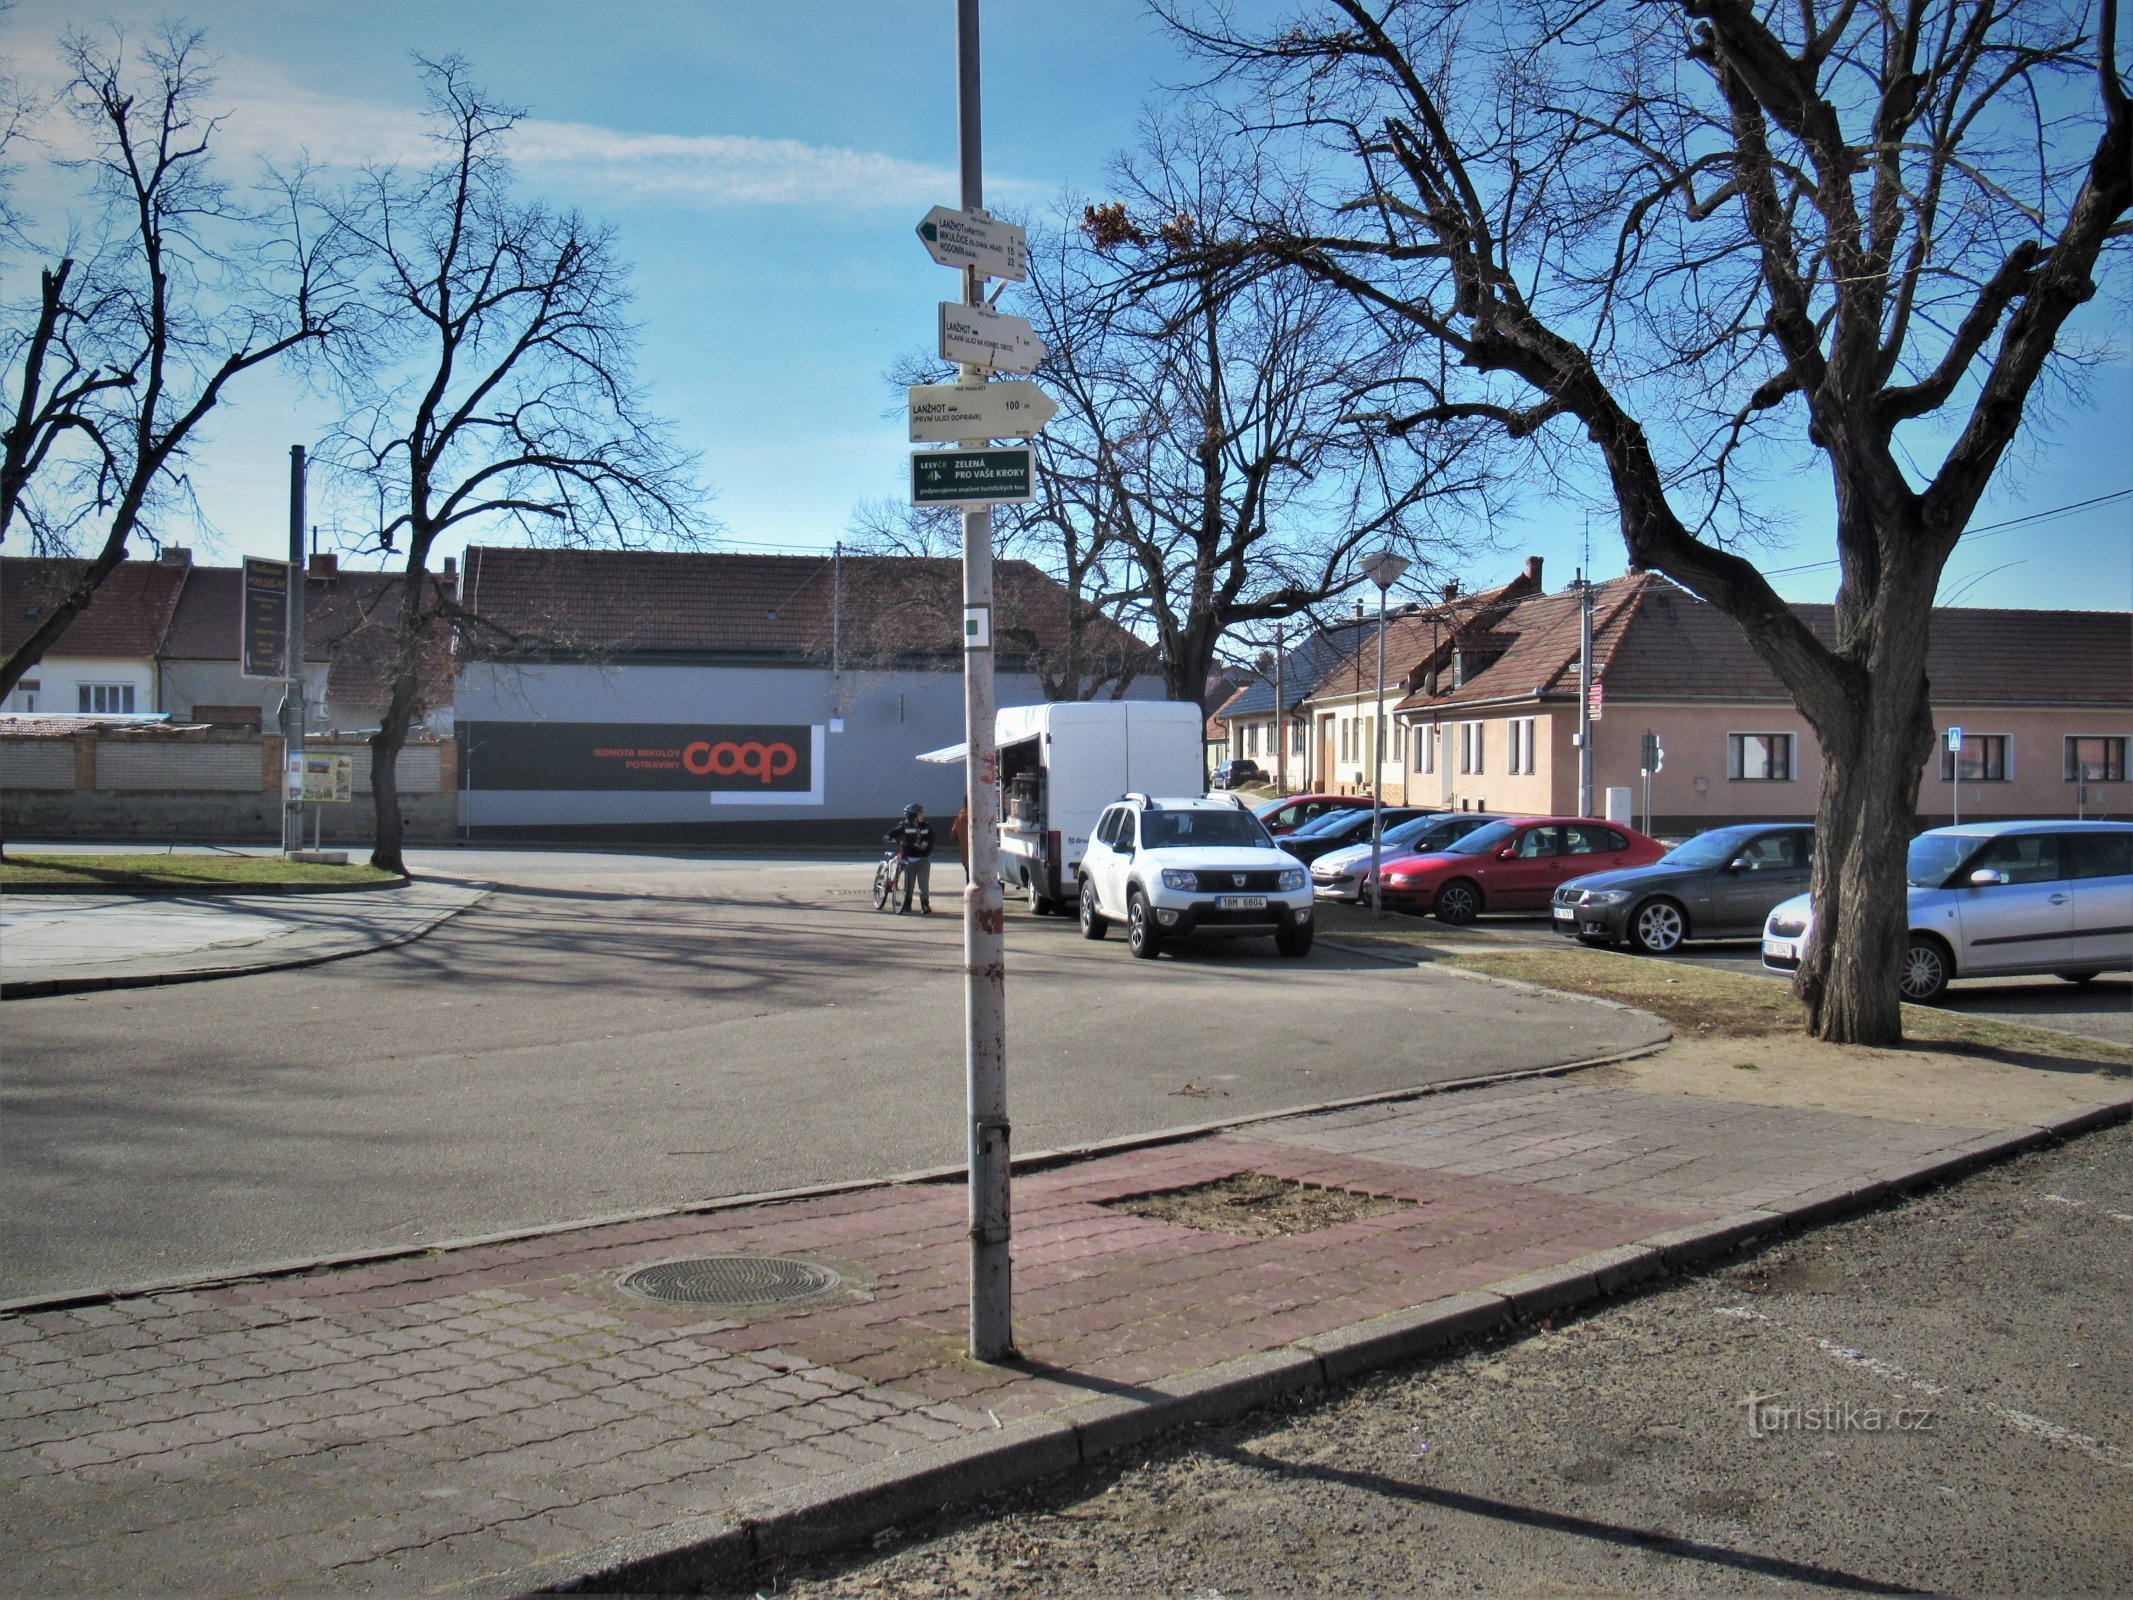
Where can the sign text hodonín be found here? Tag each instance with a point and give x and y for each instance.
(970, 477)
(265, 632)
(969, 239)
(744, 758)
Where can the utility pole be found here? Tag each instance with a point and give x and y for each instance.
(992, 1335)
(1281, 723)
(1584, 695)
(292, 725)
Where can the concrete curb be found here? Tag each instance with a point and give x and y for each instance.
(848, 1507)
(46, 988)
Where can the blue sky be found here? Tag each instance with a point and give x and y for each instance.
(764, 166)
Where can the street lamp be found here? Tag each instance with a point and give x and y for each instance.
(1382, 569)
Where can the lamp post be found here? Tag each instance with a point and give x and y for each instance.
(1382, 569)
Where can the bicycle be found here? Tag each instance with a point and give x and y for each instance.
(888, 880)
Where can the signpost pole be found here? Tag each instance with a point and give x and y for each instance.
(984, 899)
(292, 736)
(1584, 695)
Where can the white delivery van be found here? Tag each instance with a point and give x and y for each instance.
(1063, 762)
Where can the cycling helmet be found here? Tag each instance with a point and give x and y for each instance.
(913, 812)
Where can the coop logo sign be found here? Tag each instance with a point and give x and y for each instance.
(732, 762)
(726, 759)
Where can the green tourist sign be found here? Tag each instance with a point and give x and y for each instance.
(970, 477)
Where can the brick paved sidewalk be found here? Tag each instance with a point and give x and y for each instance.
(500, 1416)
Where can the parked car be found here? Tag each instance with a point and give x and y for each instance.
(1512, 866)
(1719, 885)
(1348, 828)
(1344, 874)
(1236, 774)
(1293, 811)
(1169, 868)
(1998, 900)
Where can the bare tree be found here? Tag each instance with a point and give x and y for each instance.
(1214, 465)
(141, 326)
(497, 388)
(1708, 240)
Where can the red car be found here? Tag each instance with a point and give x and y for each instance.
(1513, 866)
(1291, 812)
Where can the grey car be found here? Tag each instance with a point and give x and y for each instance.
(1719, 885)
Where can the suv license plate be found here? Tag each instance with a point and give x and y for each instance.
(1781, 950)
(1242, 902)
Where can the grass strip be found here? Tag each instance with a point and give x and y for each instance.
(139, 874)
(1696, 1002)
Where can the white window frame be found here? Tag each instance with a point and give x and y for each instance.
(1951, 760)
(1736, 757)
(1473, 754)
(1521, 729)
(1425, 747)
(88, 694)
(2073, 771)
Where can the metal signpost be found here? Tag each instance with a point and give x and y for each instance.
(1654, 761)
(972, 411)
(1382, 569)
(1955, 775)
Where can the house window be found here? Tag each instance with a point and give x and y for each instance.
(1296, 738)
(1759, 757)
(107, 699)
(1251, 738)
(1521, 744)
(26, 695)
(1470, 748)
(1399, 744)
(1983, 759)
(2088, 759)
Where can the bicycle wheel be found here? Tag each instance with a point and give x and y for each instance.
(884, 884)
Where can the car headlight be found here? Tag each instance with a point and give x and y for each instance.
(1180, 878)
(1605, 897)
(1292, 877)
(1398, 877)
(1787, 927)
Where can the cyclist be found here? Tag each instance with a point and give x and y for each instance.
(913, 838)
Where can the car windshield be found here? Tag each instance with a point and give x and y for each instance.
(1412, 829)
(1711, 849)
(1328, 822)
(1168, 829)
(1482, 840)
(1933, 858)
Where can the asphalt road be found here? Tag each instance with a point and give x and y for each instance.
(2102, 1009)
(611, 1033)
(1981, 1327)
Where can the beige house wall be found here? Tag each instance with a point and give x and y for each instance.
(1692, 789)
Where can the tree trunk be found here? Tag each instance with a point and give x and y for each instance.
(391, 737)
(1873, 749)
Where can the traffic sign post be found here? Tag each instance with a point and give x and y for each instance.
(1654, 761)
(1955, 775)
(979, 336)
(955, 412)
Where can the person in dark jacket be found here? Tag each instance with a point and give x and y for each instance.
(913, 838)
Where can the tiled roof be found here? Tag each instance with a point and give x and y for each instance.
(1420, 638)
(1303, 666)
(1653, 640)
(127, 616)
(658, 602)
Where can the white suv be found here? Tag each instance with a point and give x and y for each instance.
(1167, 868)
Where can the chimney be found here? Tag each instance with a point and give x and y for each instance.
(324, 565)
(176, 555)
(1451, 590)
(451, 565)
(1533, 571)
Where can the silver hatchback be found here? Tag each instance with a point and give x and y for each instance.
(2000, 900)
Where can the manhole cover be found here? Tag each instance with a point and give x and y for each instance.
(732, 1281)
